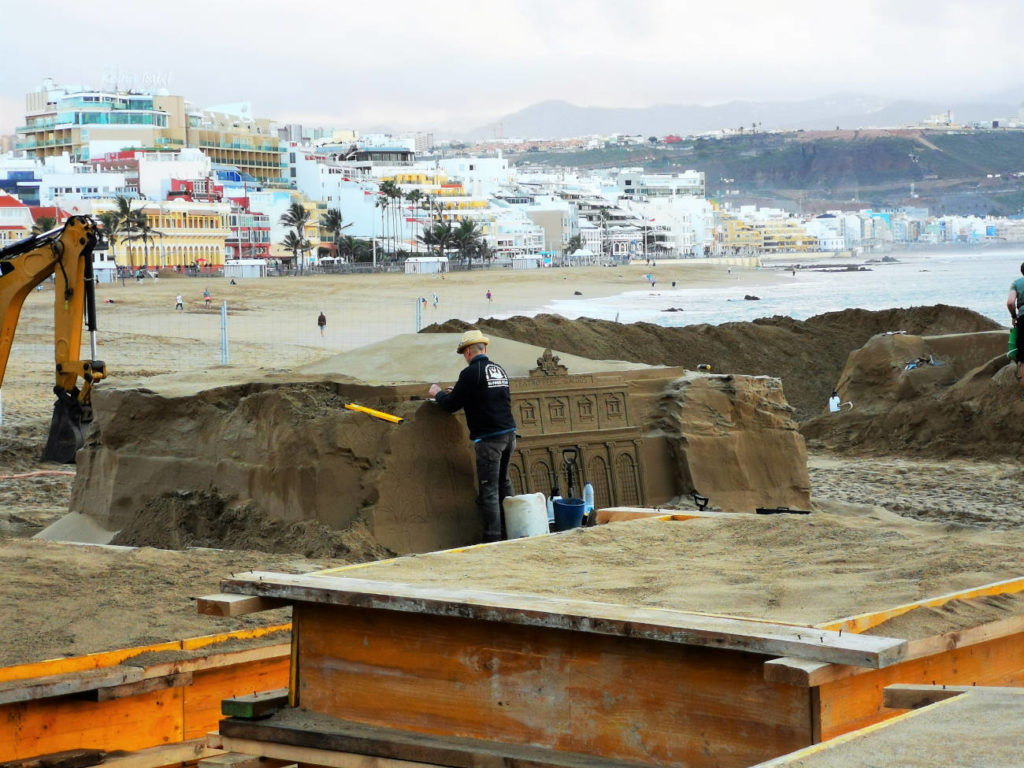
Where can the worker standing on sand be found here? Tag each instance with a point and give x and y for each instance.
(1014, 302)
(483, 391)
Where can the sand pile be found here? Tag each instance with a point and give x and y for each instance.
(952, 395)
(808, 355)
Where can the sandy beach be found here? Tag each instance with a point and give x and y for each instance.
(272, 326)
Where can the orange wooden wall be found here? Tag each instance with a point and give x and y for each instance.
(620, 698)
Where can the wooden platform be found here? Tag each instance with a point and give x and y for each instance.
(649, 685)
(159, 696)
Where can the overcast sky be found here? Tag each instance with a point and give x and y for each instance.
(462, 63)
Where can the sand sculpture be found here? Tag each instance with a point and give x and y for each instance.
(213, 456)
(949, 395)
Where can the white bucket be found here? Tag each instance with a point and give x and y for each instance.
(526, 515)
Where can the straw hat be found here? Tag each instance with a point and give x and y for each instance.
(471, 337)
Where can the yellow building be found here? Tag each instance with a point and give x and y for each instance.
(736, 235)
(184, 233)
(786, 236)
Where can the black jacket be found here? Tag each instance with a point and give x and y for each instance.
(482, 390)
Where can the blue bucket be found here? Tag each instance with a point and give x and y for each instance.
(568, 513)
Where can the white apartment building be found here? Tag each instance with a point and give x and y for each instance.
(830, 230)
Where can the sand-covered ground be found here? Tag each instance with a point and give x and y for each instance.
(144, 336)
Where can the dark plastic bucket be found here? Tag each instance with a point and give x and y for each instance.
(568, 513)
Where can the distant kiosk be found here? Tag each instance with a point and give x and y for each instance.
(239, 268)
(426, 265)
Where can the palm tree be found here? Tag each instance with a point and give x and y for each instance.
(127, 222)
(390, 192)
(332, 222)
(467, 238)
(383, 202)
(43, 224)
(414, 198)
(296, 217)
(439, 236)
(575, 243)
(145, 233)
(110, 225)
(296, 244)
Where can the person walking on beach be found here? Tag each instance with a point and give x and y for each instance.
(179, 303)
(322, 323)
(489, 297)
(435, 301)
(483, 392)
(206, 296)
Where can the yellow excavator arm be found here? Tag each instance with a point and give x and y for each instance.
(65, 253)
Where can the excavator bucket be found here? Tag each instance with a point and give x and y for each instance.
(67, 427)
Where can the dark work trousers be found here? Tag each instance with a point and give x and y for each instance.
(492, 457)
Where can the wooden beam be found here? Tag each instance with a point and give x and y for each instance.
(320, 757)
(577, 615)
(805, 673)
(217, 660)
(64, 685)
(138, 688)
(162, 756)
(72, 758)
(128, 677)
(235, 605)
(330, 735)
(255, 705)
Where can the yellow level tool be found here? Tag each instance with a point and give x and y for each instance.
(376, 414)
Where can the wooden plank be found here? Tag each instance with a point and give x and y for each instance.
(63, 685)
(569, 692)
(865, 621)
(72, 758)
(132, 672)
(235, 605)
(106, 659)
(310, 756)
(164, 755)
(806, 673)
(314, 731)
(218, 660)
(255, 705)
(138, 688)
(577, 615)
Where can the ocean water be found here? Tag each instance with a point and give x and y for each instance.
(978, 279)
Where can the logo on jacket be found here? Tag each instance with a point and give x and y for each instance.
(495, 376)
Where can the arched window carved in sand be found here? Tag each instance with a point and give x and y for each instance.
(629, 485)
(515, 474)
(540, 477)
(597, 476)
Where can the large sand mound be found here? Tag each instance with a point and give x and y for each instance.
(413, 357)
(951, 395)
(808, 355)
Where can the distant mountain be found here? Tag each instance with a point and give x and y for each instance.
(560, 119)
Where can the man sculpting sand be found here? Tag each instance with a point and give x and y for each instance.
(483, 391)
